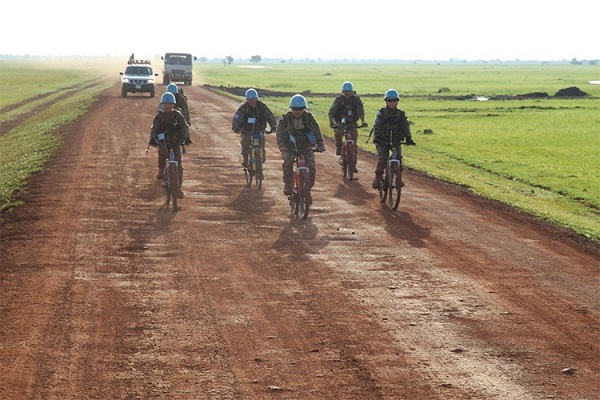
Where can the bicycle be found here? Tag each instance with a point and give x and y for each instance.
(172, 180)
(300, 199)
(349, 150)
(390, 185)
(257, 158)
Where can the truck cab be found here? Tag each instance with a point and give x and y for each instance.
(178, 68)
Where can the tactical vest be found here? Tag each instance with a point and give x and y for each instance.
(390, 122)
(347, 108)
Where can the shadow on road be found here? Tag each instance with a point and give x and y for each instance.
(401, 225)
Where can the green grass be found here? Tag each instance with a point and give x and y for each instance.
(25, 149)
(539, 155)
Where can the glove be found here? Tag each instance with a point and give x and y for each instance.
(377, 140)
(269, 131)
(189, 123)
(332, 126)
(320, 148)
(236, 130)
(187, 141)
(283, 149)
(410, 142)
(153, 142)
(364, 125)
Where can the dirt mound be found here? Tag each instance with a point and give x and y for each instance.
(571, 92)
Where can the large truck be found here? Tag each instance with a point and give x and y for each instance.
(178, 68)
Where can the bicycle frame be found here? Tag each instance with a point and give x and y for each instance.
(300, 182)
(348, 158)
(390, 186)
(171, 182)
(257, 157)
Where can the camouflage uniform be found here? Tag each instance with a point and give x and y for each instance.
(176, 131)
(352, 109)
(301, 129)
(240, 124)
(182, 104)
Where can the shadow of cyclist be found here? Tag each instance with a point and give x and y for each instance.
(401, 225)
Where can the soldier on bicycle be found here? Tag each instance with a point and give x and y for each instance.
(390, 123)
(346, 105)
(302, 125)
(252, 116)
(171, 122)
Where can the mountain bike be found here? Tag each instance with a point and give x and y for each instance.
(349, 151)
(172, 180)
(390, 186)
(257, 158)
(300, 199)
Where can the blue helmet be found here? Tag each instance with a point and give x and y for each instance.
(298, 101)
(168, 98)
(391, 94)
(172, 88)
(251, 94)
(347, 87)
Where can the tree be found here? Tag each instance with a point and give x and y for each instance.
(228, 60)
(255, 59)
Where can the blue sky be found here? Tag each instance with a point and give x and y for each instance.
(326, 29)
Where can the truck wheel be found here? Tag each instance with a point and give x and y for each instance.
(152, 93)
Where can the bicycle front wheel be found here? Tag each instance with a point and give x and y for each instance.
(258, 168)
(303, 205)
(395, 186)
(172, 185)
(350, 160)
(383, 188)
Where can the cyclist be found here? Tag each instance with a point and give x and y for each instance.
(180, 101)
(302, 125)
(171, 122)
(346, 105)
(390, 122)
(252, 116)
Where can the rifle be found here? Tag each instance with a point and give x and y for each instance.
(370, 133)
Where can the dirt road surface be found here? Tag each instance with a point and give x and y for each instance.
(105, 294)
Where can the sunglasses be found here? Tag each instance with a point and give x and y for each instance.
(297, 108)
(391, 100)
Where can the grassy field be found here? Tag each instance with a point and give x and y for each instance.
(541, 155)
(25, 85)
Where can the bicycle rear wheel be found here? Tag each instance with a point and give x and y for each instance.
(395, 189)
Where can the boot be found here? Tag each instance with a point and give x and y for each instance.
(161, 174)
(377, 180)
(338, 151)
(308, 198)
(312, 175)
(287, 188)
(245, 162)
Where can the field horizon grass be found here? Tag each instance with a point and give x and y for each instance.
(539, 155)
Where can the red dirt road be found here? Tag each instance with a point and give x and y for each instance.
(108, 295)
